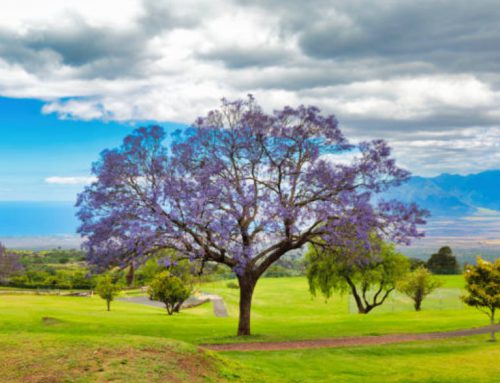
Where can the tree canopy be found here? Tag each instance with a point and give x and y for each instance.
(370, 275)
(418, 284)
(169, 289)
(443, 262)
(107, 289)
(242, 188)
(483, 288)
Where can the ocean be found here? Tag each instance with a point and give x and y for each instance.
(21, 219)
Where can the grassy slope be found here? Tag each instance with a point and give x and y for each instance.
(457, 360)
(283, 309)
(53, 358)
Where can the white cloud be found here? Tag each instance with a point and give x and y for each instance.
(70, 180)
(173, 61)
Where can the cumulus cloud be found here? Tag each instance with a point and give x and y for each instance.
(404, 71)
(70, 180)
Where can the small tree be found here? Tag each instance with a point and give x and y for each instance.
(363, 272)
(443, 262)
(418, 284)
(170, 290)
(483, 288)
(107, 289)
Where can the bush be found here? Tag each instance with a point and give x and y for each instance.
(416, 263)
(232, 285)
(170, 290)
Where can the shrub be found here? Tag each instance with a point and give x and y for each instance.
(418, 284)
(232, 285)
(170, 290)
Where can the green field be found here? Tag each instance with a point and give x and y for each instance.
(50, 333)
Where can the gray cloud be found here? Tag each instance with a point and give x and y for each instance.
(460, 35)
(423, 75)
(96, 51)
(238, 57)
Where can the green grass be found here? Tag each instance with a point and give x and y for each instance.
(457, 360)
(282, 310)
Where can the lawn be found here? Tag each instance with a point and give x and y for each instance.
(283, 310)
(461, 360)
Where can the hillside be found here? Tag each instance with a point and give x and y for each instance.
(451, 195)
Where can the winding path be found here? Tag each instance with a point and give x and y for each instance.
(346, 341)
(217, 302)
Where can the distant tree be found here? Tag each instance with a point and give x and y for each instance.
(170, 290)
(107, 289)
(9, 264)
(483, 288)
(146, 272)
(418, 284)
(80, 279)
(443, 262)
(369, 274)
(416, 263)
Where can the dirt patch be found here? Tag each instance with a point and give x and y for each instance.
(46, 363)
(49, 321)
(346, 341)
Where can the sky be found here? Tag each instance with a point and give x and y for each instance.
(76, 76)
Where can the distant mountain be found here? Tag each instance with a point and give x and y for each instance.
(451, 195)
(482, 189)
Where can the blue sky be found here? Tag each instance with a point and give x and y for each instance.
(429, 84)
(41, 154)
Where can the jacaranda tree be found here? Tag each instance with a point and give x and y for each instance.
(241, 188)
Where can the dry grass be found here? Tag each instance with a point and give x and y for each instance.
(57, 360)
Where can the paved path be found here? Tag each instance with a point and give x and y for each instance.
(346, 341)
(217, 302)
(142, 300)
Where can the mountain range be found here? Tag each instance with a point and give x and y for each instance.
(451, 195)
(465, 212)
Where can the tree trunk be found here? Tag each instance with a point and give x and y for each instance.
(108, 304)
(247, 286)
(357, 298)
(170, 309)
(368, 308)
(130, 275)
(418, 304)
(492, 338)
(177, 307)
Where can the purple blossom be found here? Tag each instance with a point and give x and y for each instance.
(241, 188)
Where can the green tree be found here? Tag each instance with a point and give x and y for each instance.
(443, 262)
(416, 263)
(370, 275)
(418, 284)
(170, 290)
(107, 289)
(483, 288)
